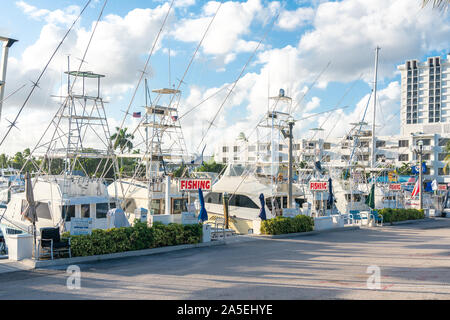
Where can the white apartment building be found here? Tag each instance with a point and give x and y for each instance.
(336, 152)
(425, 96)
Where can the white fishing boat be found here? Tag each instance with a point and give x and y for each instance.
(62, 189)
(244, 185)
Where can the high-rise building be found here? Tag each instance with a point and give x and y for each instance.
(425, 96)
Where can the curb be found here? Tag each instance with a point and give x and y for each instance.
(387, 224)
(136, 253)
(310, 233)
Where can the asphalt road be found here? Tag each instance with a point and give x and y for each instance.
(413, 259)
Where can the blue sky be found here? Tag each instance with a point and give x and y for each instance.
(305, 37)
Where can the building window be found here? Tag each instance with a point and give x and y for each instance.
(426, 156)
(441, 156)
(252, 148)
(441, 172)
(224, 160)
(403, 157)
(235, 149)
(224, 149)
(326, 146)
(345, 157)
(403, 143)
(381, 144)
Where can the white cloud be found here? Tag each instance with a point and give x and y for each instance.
(225, 37)
(66, 16)
(347, 32)
(291, 20)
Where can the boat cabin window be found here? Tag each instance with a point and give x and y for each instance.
(300, 201)
(85, 210)
(179, 205)
(155, 206)
(42, 210)
(101, 210)
(277, 203)
(68, 212)
(239, 200)
(356, 197)
(130, 205)
(213, 197)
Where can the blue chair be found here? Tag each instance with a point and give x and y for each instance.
(378, 218)
(355, 216)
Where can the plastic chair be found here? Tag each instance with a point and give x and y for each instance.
(378, 218)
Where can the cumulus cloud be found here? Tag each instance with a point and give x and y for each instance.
(225, 37)
(291, 20)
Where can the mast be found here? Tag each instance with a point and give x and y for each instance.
(374, 108)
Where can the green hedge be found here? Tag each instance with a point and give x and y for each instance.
(281, 225)
(137, 237)
(394, 215)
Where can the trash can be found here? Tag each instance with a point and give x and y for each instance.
(20, 246)
(141, 214)
(206, 233)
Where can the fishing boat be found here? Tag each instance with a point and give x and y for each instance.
(62, 188)
(244, 184)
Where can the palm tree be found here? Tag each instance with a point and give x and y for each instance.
(122, 139)
(437, 4)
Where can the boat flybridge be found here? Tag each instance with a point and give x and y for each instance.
(244, 184)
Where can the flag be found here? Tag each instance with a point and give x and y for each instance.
(416, 189)
(434, 185)
(411, 180)
(136, 114)
(174, 118)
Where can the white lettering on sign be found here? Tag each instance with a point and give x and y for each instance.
(395, 187)
(318, 185)
(194, 184)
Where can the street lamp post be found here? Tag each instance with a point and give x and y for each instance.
(291, 125)
(419, 151)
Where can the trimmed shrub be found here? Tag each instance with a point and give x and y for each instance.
(395, 215)
(137, 237)
(282, 225)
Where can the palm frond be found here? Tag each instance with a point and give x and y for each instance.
(437, 4)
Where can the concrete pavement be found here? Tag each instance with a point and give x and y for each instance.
(413, 259)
